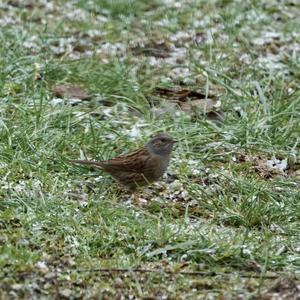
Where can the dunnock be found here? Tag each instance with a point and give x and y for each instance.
(140, 167)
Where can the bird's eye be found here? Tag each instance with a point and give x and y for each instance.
(163, 140)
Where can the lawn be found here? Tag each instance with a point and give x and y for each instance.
(96, 79)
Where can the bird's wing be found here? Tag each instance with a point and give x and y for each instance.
(134, 162)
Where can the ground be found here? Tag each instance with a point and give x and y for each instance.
(95, 79)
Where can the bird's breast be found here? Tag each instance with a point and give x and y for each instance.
(161, 165)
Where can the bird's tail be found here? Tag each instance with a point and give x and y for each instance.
(86, 162)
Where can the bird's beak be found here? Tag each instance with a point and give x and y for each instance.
(175, 141)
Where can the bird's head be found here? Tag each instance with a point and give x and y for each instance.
(161, 144)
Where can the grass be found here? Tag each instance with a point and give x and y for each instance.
(228, 209)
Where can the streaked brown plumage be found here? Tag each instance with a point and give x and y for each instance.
(140, 167)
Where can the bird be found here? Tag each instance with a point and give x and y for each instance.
(140, 167)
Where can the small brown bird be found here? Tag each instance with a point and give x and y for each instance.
(140, 167)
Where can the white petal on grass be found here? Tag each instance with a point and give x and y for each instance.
(112, 49)
(77, 14)
(31, 43)
(135, 132)
(56, 101)
(172, 3)
(276, 164)
(271, 62)
(246, 59)
(42, 266)
(3, 165)
(180, 35)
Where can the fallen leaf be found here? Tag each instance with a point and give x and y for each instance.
(294, 170)
(205, 105)
(69, 91)
(216, 116)
(179, 93)
(67, 260)
(14, 223)
(189, 101)
(266, 168)
(77, 196)
(160, 49)
(285, 285)
(22, 4)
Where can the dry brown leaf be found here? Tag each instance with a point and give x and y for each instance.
(285, 284)
(191, 102)
(284, 288)
(77, 196)
(178, 93)
(294, 170)
(205, 105)
(70, 91)
(22, 4)
(80, 47)
(160, 49)
(265, 167)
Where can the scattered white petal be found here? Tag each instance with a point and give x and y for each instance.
(42, 266)
(246, 59)
(276, 164)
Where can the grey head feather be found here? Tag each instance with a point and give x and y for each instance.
(161, 144)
